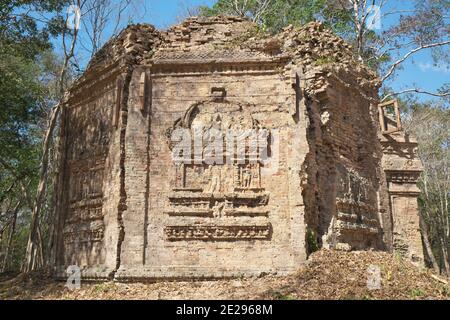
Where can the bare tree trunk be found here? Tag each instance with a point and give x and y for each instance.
(40, 253)
(428, 248)
(55, 222)
(52, 225)
(444, 255)
(11, 235)
(34, 238)
(34, 245)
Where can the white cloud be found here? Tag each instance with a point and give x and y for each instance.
(444, 68)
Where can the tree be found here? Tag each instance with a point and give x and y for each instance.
(99, 14)
(430, 124)
(423, 25)
(186, 9)
(33, 80)
(34, 258)
(103, 19)
(272, 15)
(23, 42)
(20, 29)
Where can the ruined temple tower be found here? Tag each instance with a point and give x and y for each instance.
(340, 173)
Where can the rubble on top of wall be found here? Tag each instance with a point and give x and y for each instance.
(315, 44)
(311, 45)
(317, 49)
(127, 48)
(198, 31)
(324, 54)
(218, 38)
(134, 41)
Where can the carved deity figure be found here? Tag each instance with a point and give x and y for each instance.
(247, 176)
(218, 208)
(215, 174)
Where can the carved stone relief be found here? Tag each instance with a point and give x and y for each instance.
(89, 136)
(355, 204)
(224, 189)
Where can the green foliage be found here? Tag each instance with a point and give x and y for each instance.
(19, 243)
(279, 295)
(27, 74)
(24, 65)
(445, 291)
(20, 97)
(100, 287)
(279, 13)
(416, 293)
(425, 23)
(324, 60)
(21, 28)
(311, 241)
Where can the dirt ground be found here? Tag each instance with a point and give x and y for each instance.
(326, 275)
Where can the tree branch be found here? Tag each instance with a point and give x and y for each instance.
(416, 90)
(410, 53)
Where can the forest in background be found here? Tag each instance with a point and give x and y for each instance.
(42, 52)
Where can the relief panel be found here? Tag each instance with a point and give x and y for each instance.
(224, 191)
(89, 130)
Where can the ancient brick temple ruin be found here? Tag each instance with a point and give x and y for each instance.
(342, 174)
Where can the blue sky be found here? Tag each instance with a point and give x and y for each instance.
(418, 71)
(163, 13)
